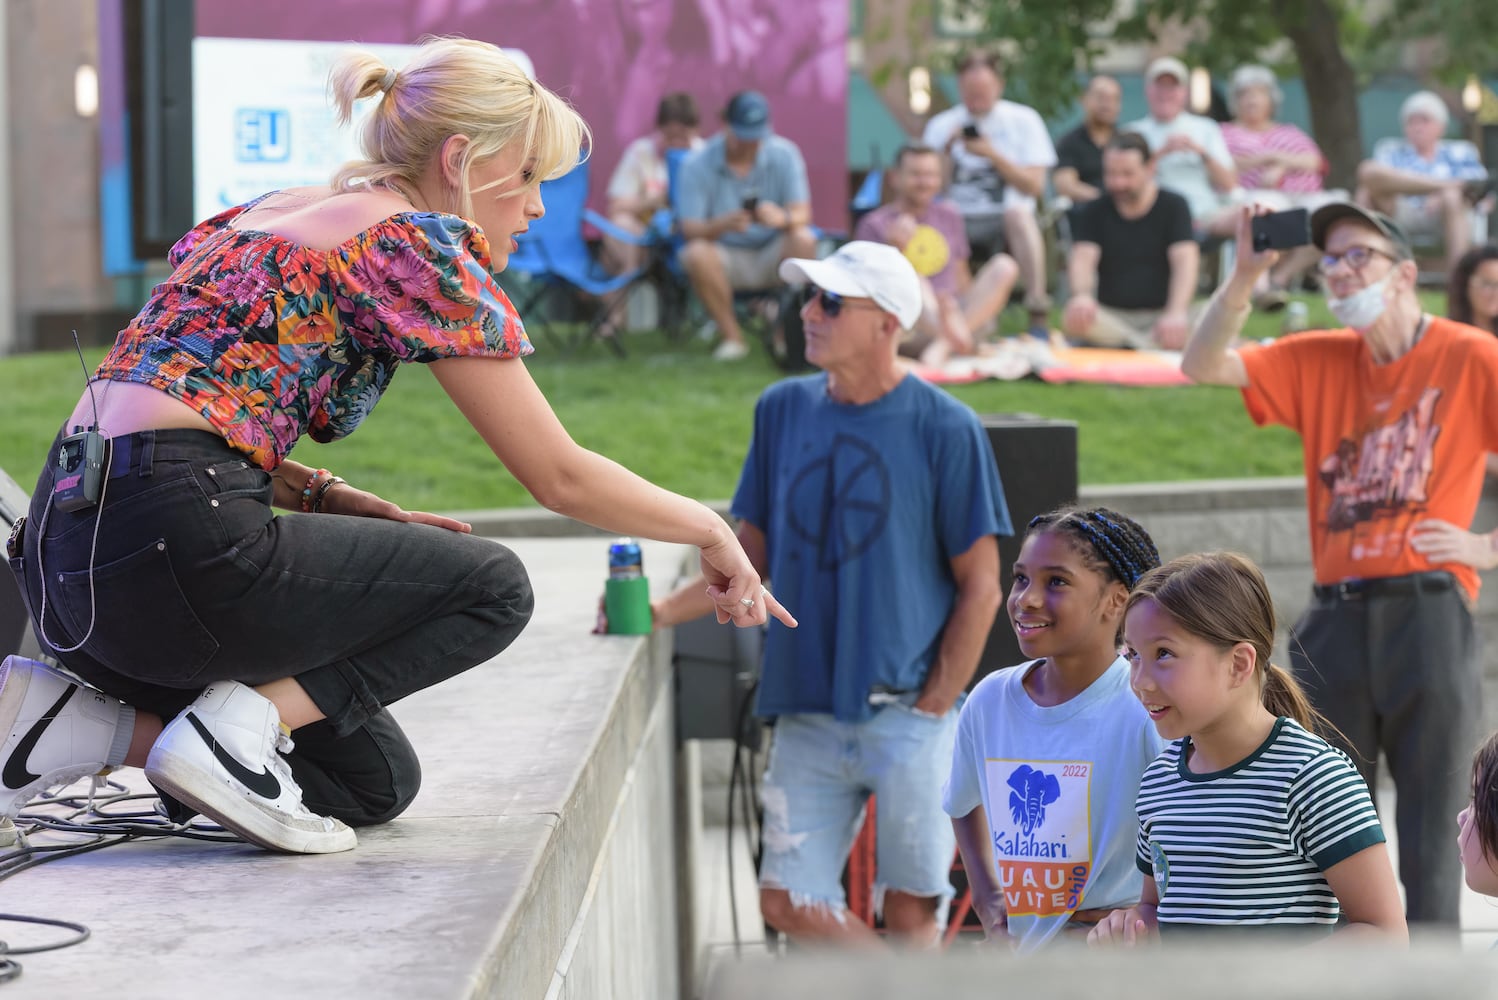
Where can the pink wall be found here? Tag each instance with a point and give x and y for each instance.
(613, 59)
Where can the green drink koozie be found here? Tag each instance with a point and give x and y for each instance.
(627, 604)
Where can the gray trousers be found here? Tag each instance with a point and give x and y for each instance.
(1395, 666)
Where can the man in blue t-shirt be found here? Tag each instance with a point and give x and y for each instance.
(871, 500)
(744, 205)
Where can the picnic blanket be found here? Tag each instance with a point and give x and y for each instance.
(1056, 362)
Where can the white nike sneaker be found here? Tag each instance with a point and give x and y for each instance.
(219, 757)
(56, 729)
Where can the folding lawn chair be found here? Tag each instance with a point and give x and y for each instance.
(554, 258)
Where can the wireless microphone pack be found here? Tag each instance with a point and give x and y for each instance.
(80, 465)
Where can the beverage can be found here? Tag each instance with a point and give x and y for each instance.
(625, 562)
(626, 593)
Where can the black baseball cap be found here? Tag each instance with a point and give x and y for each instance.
(1330, 214)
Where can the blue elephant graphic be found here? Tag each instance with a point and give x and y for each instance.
(1033, 791)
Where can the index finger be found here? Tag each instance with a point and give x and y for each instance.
(780, 611)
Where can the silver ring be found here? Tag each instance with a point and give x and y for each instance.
(747, 602)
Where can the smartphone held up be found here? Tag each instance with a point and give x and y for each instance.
(1281, 230)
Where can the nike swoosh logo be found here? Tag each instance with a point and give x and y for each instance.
(262, 783)
(15, 774)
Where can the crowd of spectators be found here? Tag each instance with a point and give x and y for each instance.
(965, 224)
(989, 210)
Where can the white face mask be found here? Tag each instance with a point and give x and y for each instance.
(1362, 308)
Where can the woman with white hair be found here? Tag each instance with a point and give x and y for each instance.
(1426, 182)
(1271, 155)
(1279, 166)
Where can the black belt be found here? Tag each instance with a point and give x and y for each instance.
(1431, 581)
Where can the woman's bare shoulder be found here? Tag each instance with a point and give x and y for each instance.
(321, 217)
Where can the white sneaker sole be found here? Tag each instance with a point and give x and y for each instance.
(220, 803)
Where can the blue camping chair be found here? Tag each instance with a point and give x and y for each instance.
(673, 288)
(554, 258)
(868, 196)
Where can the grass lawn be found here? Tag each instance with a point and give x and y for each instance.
(677, 417)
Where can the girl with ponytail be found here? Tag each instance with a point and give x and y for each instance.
(1249, 818)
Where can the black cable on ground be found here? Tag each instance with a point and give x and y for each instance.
(81, 933)
(110, 828)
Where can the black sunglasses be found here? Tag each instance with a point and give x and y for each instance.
(831, 302)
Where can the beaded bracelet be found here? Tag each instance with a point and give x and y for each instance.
(322, 491)
(308, 490)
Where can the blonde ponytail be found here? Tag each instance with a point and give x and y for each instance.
(355, 76)
(451, 86)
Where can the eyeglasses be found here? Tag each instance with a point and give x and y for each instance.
(831, 302)
(1356, 258)
(1484, 285)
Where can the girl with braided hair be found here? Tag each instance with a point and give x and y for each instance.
(1049, 753)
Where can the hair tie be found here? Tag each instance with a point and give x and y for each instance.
(388, 80)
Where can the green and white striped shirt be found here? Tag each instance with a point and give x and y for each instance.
(1247, 846)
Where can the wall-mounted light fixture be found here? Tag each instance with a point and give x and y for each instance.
(1201, 91)
(919, 83)
(1472, 95)
(86, 91)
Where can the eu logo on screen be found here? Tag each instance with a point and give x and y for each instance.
(262, 135)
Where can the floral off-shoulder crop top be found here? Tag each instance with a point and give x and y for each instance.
(270, 340)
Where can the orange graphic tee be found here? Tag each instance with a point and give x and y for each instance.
(1385, 446)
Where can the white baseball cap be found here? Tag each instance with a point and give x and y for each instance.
(1167, 66)
(862, 269)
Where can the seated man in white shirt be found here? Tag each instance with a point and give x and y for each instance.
(1000, 153)
(1424, 182)
(1190, 155)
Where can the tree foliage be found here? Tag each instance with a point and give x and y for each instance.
(1055, 42)
(1332, 45)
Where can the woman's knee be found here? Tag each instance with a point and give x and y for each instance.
(370, 776)
(510, 600)
(390, 802)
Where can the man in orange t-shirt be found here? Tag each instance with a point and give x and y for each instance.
(1395, 412)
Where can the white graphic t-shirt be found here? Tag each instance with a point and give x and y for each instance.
(1057, 785)
(1018, 133)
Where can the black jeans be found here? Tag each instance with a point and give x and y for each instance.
(196, 580)
(1401, 673)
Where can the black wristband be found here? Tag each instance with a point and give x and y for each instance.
(322, 491)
